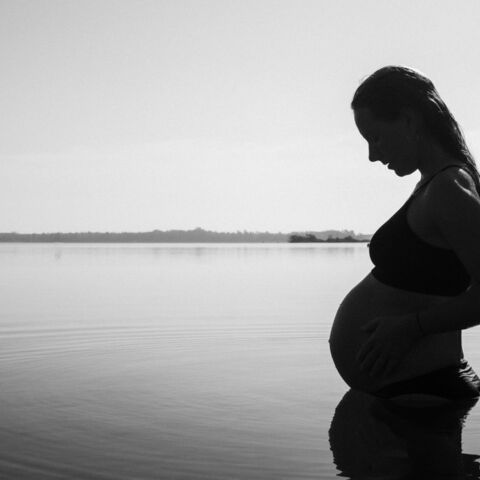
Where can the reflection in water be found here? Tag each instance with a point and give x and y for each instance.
(375, 438)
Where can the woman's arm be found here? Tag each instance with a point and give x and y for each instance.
(458, 313)
(455, 206)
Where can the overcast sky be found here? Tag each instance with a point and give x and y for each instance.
(229, 115)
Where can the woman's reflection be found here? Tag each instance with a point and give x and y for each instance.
(375, 438)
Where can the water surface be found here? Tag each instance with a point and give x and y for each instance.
(188, 361)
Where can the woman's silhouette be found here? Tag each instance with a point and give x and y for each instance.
(398, 332)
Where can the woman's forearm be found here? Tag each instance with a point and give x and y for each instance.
(458, 313)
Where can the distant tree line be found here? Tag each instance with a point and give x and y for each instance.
(197, 235)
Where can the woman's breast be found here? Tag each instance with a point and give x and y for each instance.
(369, 299)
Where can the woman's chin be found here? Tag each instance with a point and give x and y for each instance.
(399, 172)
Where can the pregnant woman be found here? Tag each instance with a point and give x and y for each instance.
(399, 330)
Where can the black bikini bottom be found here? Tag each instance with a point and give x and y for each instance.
(454, 382)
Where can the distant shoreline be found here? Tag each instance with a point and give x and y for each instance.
(185, 242)
(197, 235)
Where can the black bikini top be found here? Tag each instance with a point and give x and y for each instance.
(403, 260)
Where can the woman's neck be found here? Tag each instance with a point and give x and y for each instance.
(433, 159)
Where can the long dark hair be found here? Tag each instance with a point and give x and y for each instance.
(389, 90)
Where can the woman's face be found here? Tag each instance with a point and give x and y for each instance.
(389, 142)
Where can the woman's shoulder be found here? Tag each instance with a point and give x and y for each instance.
(451, 188)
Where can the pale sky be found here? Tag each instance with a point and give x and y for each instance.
(129, 115)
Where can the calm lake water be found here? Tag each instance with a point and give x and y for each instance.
(169, 361)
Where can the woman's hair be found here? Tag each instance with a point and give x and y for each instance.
(392, 89)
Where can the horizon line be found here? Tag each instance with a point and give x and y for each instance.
(196, 229)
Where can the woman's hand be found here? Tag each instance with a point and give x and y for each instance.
(389, 341)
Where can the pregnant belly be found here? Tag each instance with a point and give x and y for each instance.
(369, 299)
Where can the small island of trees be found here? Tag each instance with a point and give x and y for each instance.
(311, 238)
